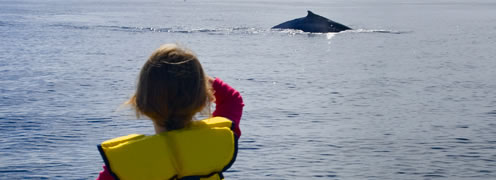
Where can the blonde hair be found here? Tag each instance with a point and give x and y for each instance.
(172, 87)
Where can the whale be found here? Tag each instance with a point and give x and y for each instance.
(313, 23)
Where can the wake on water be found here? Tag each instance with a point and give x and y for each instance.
(217, 31)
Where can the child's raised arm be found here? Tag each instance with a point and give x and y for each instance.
(228, 103)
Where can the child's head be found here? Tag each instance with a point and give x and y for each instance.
(172, 87)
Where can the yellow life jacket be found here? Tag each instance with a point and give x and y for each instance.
(203, 150)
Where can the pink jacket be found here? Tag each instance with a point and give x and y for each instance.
(228, 104)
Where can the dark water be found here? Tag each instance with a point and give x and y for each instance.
(409, 94)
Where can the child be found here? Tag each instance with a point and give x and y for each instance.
(172, 88)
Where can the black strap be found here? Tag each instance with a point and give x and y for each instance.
(191, 178)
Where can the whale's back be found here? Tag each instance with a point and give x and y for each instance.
(312, 23)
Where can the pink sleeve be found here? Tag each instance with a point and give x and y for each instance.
(228, 103)
(105, 174)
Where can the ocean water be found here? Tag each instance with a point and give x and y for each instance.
(410, 93)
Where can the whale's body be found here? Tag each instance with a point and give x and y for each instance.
(313, 23)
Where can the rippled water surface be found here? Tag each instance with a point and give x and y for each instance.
(409, 94)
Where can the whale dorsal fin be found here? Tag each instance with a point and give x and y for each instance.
(310, 13)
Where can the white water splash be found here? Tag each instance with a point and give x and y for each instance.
(377, 31)
(329, 36)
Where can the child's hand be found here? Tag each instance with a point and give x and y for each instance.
(211, 87)
(210, 80)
